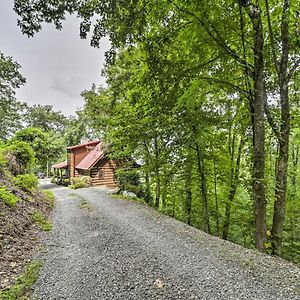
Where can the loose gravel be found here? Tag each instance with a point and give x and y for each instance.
(104, 248)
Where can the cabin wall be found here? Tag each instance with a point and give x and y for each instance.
(103, 173)
(75, 156)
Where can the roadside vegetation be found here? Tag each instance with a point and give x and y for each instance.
(22, 286)
(24, 208)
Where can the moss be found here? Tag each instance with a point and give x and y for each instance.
(23, 284)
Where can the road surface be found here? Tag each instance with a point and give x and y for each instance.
(104, 248)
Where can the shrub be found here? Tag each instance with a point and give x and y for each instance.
(134, 189)
(26, 182)
(53, 180)
(80, 182)
(65, 182)
(7, 197)
(3, 160)
(127, 177)
(77, 185)
(20, 157)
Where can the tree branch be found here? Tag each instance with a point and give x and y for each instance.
(293, 69)
(218, 39)
(224, 82)
(272, 40)
(270, 118)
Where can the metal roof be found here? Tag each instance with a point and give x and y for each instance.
(90, 143)
(92, 157)
(62, 165)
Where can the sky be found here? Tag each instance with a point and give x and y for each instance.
(57, 65)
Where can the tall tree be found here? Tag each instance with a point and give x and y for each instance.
(10, 109)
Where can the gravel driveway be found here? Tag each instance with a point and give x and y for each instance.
(103, 248)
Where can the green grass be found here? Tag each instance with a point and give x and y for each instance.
(40, 219)
(20, 290)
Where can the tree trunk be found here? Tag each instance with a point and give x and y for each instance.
(283, 142)
(201, 170)
(147, 181)
(188, 193)
(258, 125)
(216, 201)
(234, 181)
(157, 174)
(164, 191)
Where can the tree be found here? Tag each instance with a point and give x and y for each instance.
(48, 146)
(10, 77)
(166, 51)
(45, 118)
(10, 109)
(11, 117)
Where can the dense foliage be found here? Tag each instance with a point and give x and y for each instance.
(205, 95)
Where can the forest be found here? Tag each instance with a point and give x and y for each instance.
(203, 95)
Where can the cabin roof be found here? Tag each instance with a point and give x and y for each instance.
(62, 165)
(90, 143)
(92, 157)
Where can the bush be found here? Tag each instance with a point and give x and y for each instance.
(53, 180)
(77, 185)
(134, 189)
(7, 197)
(3, 160)
(65, 182)
(20, 157)
(127, 177)
(26, 182)
(80, 182)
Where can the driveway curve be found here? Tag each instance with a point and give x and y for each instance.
(104, 248)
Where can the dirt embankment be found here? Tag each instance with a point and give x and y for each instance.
(19, 231)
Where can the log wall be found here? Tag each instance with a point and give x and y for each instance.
(107, 169)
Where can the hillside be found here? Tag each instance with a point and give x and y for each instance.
(20, 224)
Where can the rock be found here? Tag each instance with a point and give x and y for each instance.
(116, 191)
(129, 194)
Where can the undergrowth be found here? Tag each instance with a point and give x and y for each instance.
(20, 290)
(7, 197)
(40, 219)
(50, 198)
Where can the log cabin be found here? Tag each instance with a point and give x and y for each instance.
(88, 159)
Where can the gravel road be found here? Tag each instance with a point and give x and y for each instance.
(103, 248)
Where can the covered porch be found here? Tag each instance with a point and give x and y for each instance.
(61, 172)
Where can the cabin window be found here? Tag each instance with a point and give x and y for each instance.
(101, 174)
